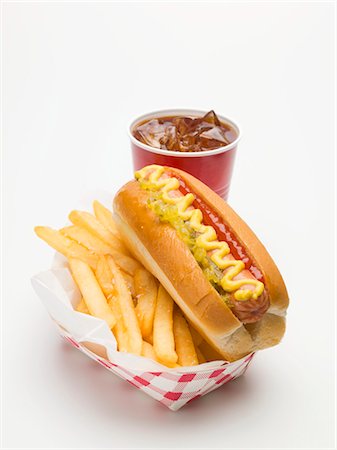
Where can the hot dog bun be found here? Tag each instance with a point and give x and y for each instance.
(163, 253)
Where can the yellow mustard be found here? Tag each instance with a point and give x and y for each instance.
(207, 238)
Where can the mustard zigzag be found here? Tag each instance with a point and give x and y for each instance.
(207, 237)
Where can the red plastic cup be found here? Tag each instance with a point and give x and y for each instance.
(213, 167)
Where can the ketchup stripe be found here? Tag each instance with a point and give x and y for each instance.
(224, 233)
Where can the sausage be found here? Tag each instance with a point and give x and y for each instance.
(250, 311)
(247, 311)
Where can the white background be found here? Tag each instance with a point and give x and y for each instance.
(73, 75)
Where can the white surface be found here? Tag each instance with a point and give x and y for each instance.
(73, 75)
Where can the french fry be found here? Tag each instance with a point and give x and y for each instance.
(163, 339)
(107, 283)
(90, 223)
(209, 353)
(200, 356)
(104, 215)
(197, 338)
(105, 278)
(117, 248)
(95, 244)
(147, 351)
(66, 246)
(185, 349)
(91, 291)
(87, 239)
(130, 283)
(126, 263)
(146, 293)
(119, 330)
(82, 307)
(127, 309)
(149, 338)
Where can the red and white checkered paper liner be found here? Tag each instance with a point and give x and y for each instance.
(173, 388)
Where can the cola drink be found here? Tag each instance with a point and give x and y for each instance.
(185, 133)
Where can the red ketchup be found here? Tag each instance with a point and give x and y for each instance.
(224, 233)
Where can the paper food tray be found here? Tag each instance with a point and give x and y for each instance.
(173, 388)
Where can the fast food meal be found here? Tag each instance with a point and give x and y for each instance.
(176, 274)
(116, 288)
(206, 259)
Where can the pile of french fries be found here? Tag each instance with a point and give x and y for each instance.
(116, 287)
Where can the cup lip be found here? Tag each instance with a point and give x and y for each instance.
(182, 111)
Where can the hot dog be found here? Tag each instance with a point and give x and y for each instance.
(206, 257)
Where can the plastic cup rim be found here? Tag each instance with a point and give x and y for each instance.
(182, 111)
